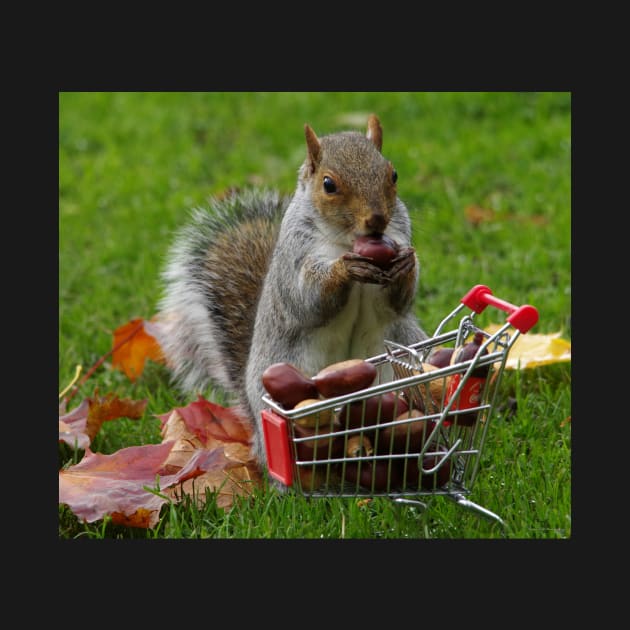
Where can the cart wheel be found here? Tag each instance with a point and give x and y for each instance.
(460, 499)
(419, 504)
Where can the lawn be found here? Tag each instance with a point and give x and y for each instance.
(487, 179)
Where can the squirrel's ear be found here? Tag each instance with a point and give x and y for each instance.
(314, 148)
(375, 131)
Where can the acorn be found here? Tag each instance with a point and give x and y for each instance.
(344, 377)
(288, 385)
(380, 248)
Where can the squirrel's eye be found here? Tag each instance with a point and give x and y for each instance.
(394, 176)
(329, 185)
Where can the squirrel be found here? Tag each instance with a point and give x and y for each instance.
(258, 278)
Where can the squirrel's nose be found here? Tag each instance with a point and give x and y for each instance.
(376, 222)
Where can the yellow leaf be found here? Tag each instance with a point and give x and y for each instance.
(531, 350)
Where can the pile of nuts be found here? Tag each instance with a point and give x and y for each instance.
(374, 425)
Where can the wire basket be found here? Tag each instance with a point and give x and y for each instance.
(418, 430)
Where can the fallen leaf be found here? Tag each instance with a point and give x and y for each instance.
(476, 214)
(80, 426)
(204, 424)
(226, 481)
(133, 344)
(114, 485)
(538, 219)
(110, 407)
(208, 420)
(72, 426)
(204, 447)
(532, 350)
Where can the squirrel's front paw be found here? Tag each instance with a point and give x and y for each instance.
(403, 264)
(360, 268)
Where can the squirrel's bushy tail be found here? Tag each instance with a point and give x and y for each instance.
(212, 279)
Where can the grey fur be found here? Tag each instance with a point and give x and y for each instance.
(230, 310)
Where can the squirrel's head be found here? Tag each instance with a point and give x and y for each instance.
(350, 182)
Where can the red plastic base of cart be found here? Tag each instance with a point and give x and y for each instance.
(276, 434)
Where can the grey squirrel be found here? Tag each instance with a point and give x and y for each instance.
(259, 278)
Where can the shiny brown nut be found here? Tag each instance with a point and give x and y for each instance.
(468, 351)
(372, 410)
(417, 479)
(322, 418)
(380, 248)
(312, 477)
(441, 357)
(404, 438)
(344, 377)
(375, 476)
(318, 448)
(288, 385)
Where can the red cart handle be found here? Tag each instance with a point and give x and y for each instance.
(521, 317)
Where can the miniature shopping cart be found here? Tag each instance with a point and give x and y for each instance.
(419, 430)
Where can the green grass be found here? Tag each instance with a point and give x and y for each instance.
(130, 166)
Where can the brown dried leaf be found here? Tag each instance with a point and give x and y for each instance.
(175, 430)
(227, 480)
(110, 407)
(477, 214)
(203, 424)
(80, 426)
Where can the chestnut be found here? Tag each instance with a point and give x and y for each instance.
(380, 248)
(318, 448)
(440, 357)
(322, 418)
(468, 351)
(288, 385)
(404, 438)
(372, 410)
(430, 481)
(376, 476)
(344, 377)
(314, 477)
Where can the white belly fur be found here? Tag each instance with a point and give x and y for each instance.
(356, 333)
